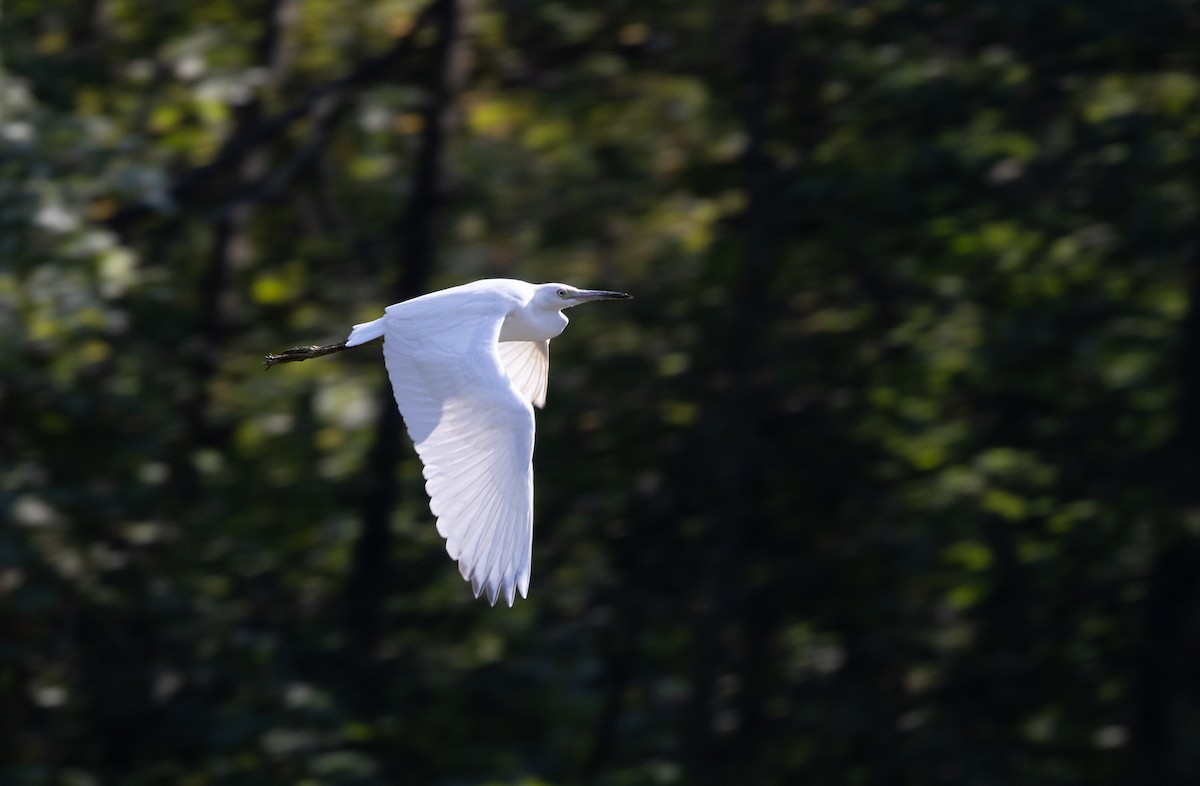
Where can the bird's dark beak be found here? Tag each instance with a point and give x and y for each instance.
(587, 295)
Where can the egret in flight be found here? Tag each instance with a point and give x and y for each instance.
(467, 366)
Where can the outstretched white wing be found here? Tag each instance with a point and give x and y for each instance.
(473, 429)
(528, 365)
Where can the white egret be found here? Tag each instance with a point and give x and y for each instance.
(467, 366)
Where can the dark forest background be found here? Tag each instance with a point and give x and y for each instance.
(889, 475)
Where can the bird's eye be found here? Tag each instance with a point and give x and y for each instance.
(562, 293)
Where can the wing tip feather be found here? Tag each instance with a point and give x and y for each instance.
(506, 586)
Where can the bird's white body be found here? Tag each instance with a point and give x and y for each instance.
(467, 366)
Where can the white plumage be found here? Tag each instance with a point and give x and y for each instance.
(467, 366)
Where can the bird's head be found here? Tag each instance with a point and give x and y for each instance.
(560, 296)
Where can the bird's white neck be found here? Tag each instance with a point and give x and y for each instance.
(532, 324)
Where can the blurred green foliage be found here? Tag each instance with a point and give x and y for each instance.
(886, 476)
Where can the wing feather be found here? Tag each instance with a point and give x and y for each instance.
(511, 562)
(477, 529)
(472, 424)
(488, 553)
(527, 364)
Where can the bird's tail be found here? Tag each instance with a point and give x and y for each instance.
(365, 332)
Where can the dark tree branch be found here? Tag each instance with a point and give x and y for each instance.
(737, 530)
(214, 280)
(239, 146)
(277, 183)
(621, 664)
(1164, 681)
(367, 581)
